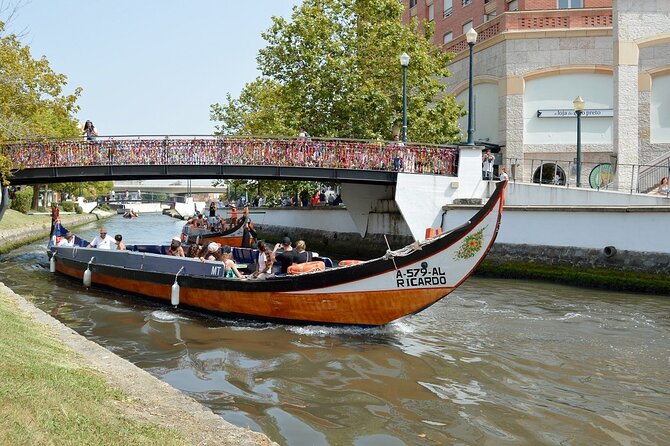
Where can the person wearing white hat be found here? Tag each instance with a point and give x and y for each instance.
(212, 252)
(67, 241)
(175, 248)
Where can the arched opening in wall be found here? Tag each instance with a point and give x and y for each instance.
(549, 173)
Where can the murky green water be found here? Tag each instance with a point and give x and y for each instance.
(498, 362)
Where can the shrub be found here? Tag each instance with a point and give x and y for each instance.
(68, 206)
(22, 201)
(78, 209)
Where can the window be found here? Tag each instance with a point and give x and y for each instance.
(467, 27)
(466, 2)
(569, 4)
(448, 37)
(412, 3)
(431, 13)
(448, 8)
(513, 5)
(489, 16)
(549, 173)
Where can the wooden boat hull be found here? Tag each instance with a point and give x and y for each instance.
(374, 292)
(230, 237)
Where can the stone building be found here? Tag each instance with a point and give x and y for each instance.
(532, 58)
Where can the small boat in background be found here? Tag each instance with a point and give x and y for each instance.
(369, 293)
(232, 236)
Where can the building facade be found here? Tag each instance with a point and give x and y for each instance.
(532, 58)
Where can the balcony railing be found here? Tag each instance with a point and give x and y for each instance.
(536, 20)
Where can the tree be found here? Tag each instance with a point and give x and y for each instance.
(334, 69)
(32, 102)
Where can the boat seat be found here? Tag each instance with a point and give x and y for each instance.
(245, 255)
(151, 249)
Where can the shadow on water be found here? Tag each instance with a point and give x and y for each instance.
(498, 362)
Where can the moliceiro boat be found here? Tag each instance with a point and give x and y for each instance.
(370, 293)
(232, 236)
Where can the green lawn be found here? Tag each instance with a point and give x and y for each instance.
(46, 398)
(13, 219)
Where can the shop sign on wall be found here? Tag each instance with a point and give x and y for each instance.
(569, 113)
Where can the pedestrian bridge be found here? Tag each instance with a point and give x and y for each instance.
(208, 157)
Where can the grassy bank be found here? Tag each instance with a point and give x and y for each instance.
(594, 277)
(40, 224)
(13, 219)
(46, 398)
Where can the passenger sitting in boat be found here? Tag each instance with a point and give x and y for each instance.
(285, 254)
(202, 223)
(212, 252)
(302, 255)
(194, 251)
(264, 262)
(118, 242)
(67, 241)
(175, 248)
(101, 241)
(231, 267)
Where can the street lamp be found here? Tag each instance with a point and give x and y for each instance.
(404, 61)
(578, 104)
(471, 37)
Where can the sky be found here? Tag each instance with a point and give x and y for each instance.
(149, 67)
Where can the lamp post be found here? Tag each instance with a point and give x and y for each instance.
(578, 104)
(404, 61)
(471, 37)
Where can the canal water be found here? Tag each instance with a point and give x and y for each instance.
(498, 362)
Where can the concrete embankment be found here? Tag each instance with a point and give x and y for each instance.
(28, 232)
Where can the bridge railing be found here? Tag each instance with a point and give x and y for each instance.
(236, 151)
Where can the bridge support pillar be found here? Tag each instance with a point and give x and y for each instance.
(421, 198)
(360, 200)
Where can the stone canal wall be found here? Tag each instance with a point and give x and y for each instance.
(582, 258)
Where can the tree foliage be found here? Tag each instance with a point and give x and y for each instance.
(32, 102)
(334, 69)
(89, 189)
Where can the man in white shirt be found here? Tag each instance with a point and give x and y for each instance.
(102, 241)
(67, 241)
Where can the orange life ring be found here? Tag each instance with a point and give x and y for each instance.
(306, 267)
(349, 262)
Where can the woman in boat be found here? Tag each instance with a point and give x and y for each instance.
(302, 255)
(194, 251)
(175, 248)
(212, 252)
(264, 262)
(232, 272)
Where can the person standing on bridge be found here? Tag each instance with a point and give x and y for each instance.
(90, 131)
(487, 165)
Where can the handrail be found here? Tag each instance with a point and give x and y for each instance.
(236, 151)
(624, 178)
